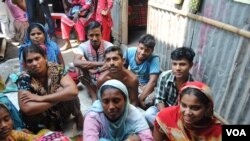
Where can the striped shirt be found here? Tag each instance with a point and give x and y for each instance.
(166, 90)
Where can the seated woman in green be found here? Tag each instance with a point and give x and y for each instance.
(47, 96)
(192, 119)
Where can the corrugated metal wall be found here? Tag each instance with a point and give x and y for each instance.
(222, 58)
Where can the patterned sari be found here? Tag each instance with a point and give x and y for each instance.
(170, 122)
(19, 135)
(43, 135)
(55, 117)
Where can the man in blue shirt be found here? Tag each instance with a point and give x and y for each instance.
(171, 81)
(146, 66)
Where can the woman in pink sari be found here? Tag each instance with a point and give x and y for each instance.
(103, 16)
(192, 119)
(80, 14)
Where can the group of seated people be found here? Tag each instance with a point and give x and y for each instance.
(75, 13)
(176, 107)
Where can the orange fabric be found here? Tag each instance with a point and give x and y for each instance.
(204, 89)
(22, 136)
(170, 122)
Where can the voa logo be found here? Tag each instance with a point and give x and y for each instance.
(236, 132)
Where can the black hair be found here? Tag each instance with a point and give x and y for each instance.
(4, 106)
(113, 49)
(93, 25)
(35, 25)
(199, 94)
(183, 53)
(33, 48)
(112, 87)
(147, 40)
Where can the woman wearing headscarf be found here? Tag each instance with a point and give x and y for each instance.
(113, 118)
(47, 96)
(9, 134)
(192, 119)
(37, 34)
(15, 115)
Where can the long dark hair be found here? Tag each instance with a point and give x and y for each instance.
(33, 48)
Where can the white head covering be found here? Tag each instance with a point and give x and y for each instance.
(132, 121)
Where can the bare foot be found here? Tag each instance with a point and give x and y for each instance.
(78, 41)
(66, 46)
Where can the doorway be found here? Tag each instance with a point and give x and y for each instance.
(137, 20)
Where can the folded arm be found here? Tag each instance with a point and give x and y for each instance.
(32, 104)
(81, 62)
(31, 107)
(68, 92)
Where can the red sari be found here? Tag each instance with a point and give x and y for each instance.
(81, 22)
(105, 20)
(169, 120)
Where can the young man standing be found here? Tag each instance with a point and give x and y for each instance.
(146, 66)
(89, 57)
(170, 82)
(115, 63)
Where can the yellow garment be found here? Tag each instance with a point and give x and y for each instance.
(2, 86)
(22, 136)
